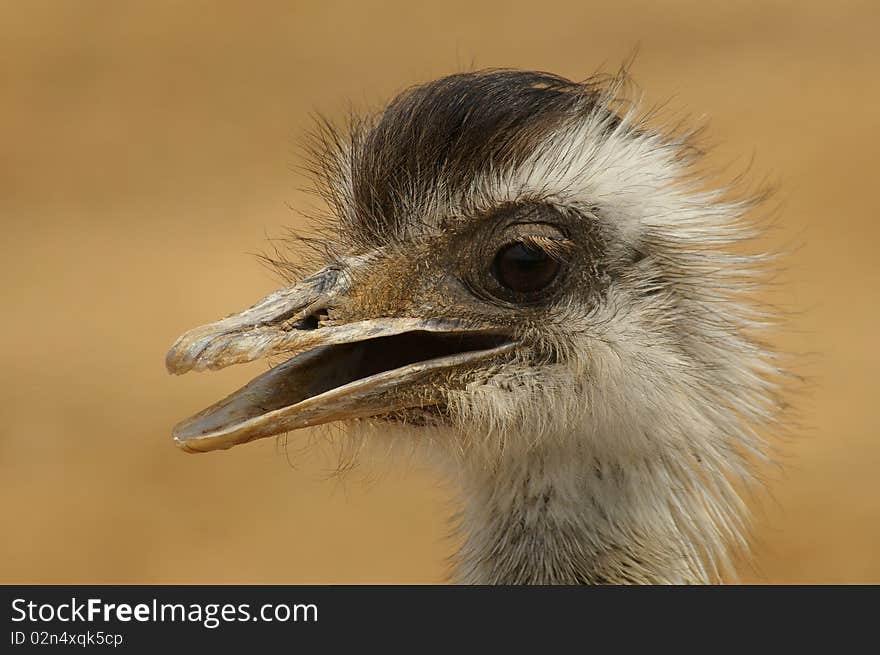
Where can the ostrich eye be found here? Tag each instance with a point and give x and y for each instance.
(524, 267)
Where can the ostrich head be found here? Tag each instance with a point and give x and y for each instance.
(524, 279)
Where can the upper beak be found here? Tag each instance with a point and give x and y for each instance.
(334, 370)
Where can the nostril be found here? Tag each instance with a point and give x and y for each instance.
(309, 322)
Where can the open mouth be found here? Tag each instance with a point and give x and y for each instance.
(355, 379)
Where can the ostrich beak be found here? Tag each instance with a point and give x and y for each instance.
(333, 372)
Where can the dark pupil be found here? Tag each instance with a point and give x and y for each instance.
(524, 268)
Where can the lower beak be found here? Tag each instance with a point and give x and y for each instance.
(356, 370)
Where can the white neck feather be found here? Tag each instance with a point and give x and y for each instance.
(549, 518)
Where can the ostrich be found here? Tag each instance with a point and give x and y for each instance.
(524, 280)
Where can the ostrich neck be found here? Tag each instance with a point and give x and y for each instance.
(548, 518)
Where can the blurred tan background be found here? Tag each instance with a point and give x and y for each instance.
(146, 149)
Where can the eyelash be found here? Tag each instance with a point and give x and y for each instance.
(559, 249)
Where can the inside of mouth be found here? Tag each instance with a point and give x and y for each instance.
(329, 367)
(384, 354)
